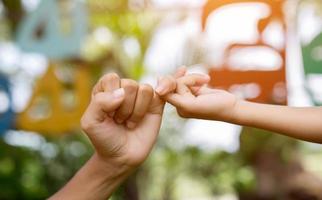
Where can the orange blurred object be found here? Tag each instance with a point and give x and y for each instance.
(48, 112)
(272, 84)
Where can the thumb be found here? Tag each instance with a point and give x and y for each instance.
(103, 103)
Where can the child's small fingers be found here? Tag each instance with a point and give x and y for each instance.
(166, 85)
(176, 100)
(180, 72)
(204, 90)
(189, 84)
(195, 89)
(193, 80)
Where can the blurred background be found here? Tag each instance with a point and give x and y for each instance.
(53, 51)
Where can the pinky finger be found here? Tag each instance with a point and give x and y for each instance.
(180, 72)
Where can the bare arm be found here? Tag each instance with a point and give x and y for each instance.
(122, 121)
(300, 123)
(96, 180)
(202, 102)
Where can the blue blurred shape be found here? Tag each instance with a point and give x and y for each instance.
(6, 112)
(41, 31)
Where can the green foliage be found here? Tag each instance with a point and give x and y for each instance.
(33, 173)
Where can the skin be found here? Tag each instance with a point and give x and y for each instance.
(122, 122)
(202, 102)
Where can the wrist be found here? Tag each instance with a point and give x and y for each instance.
(97, 179)
(235, 112)
(242, 115)
(110, 169)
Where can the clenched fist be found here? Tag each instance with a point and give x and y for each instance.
(122, 120)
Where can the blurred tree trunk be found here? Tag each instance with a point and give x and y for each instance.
(14, 12)
(131, 191)
(273, 158)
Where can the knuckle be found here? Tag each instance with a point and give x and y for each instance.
(85, 125)
(129, 85)
(110, 76)
(146, 88)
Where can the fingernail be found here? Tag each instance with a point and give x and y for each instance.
(119, 93)
(130, 125)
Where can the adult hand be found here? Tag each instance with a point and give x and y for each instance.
(122, 121)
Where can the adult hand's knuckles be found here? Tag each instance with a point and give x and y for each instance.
(129, 85)
(146, 89)
(187, 80)
(110, 77)
(107, 79)
(86, 125)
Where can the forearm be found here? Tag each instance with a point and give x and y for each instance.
(95, 180)
(300, 123)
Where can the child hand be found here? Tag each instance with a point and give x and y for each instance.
(193, 99)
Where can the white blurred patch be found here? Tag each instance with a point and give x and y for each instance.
(274, 36)
(5, 103)
(24, 139)
(212, 135)
(246, 91)
(104, 36)
(9, 58)
(167, 50)
(197, 69)
(30, 5)
(315, 83)
(49, 150)
(33, 64)
(232, 24)
(255, 58)
(310, 25)
(77, 149)
(132, 47)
